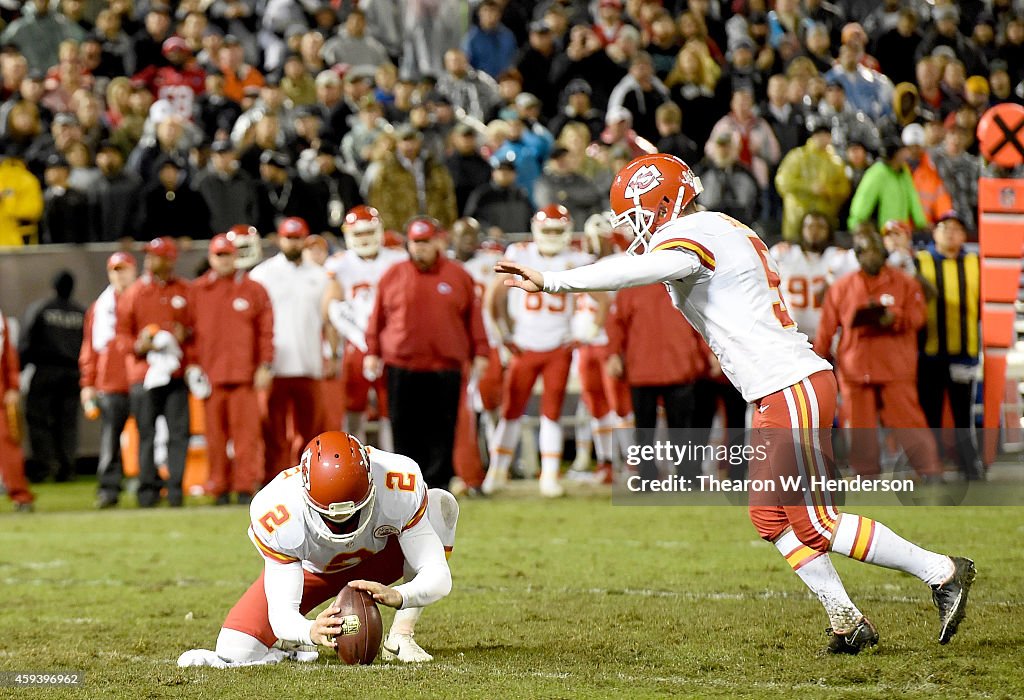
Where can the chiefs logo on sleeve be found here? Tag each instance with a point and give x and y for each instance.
(643, 181)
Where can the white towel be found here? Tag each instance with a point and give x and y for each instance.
(205, 657)
(104, 319)
(164, 360)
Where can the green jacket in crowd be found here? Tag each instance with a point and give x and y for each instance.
(886, 195)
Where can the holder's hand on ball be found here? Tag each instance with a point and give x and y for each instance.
(385, 595)
(326, 627)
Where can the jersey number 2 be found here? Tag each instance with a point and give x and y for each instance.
(779, 307)
(400, 481)
(275, 518)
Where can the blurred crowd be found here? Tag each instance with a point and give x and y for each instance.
(437, 128)
(133, 119)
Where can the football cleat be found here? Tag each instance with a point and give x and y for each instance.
(404, 649)
(951, 597)
(551, 488)
(493, 481)
(862, 636)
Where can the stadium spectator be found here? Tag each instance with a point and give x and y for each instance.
(660, 356)
(728, 186)
(465, 164)
(148, 41)
(170, 207)
(818, 44)
(945, 31)
(664, 44)
(368, 125)
(585, 58)
(1012, 50)
(102, 364)
(867, 90)
(692, 82)
(893, 45)
(39, 32)
(234, 349)
(335, 189)
(618, 132)
(741, 72)
(490, 46)
(51, 340)
(65, 210)
(473, 91)
(756, 146)
(155, 320)
(959, 172)
(21, 199)
(352, 44)
(640, 92)
(811, 178)
(296, 289)
(887, 191)
(114, 197)
(879, 310)
(298, 85)
(562, 184)
(229, 193)
(281, 194)
(949, 342)
(847, 123)
(179, 81)
(500, 205)
(410, 182)
(425, 327)
(238, 75)
(578, 107)
(12, 460)
(672, 140)
(932, 193)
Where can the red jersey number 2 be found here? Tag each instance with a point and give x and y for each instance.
(779, 306)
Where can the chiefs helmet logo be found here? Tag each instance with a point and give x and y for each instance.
(304, 463)
(643, 181)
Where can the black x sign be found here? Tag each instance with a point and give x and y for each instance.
(1010, 137)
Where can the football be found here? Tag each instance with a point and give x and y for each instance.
(361, 629)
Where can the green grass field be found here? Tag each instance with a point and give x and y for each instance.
(575, 598)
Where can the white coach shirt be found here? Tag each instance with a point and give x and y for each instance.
(296, 293)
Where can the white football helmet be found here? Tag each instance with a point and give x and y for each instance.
(364, 232)
(248, 244)
(552, 229)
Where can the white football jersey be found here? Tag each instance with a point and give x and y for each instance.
(542, 321)
(360, 276)
(285, 530)
(481, 268)
(805, 277)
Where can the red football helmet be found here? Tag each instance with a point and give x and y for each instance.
(649, 192)
(337, 483)
(364, 232)
(552, 229)
(293, 227)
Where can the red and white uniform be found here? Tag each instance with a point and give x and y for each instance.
(178, 86)
(723, 279)
(304, 567)
(805, 277)
(542, 331)
(12, 459)
(359, 277)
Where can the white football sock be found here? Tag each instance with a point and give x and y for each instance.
(550, 442)
(503, 449)
(816, 571)
(868, 540)
(235, 646)
(604, 436)
(624, 433)
(385, 440)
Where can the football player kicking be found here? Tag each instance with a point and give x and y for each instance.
(720, 275)
(346, 515)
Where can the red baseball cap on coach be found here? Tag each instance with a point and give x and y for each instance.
(121, 259)
(222, 244)
(422, 229)
(163, 247)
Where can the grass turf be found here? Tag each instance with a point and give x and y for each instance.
(574, 598)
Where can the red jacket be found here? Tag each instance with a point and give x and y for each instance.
(106, 370)
(147, 301)
(870, 354)
(234, 327)
(9, 365)
(658, 345)
(426, 321)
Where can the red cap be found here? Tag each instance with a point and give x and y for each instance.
(293, 227)
(121, 259)
(175, 43)
(163, 247)
(422, 229)
(222, 244)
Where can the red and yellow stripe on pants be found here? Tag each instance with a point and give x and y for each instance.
(793, 425)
